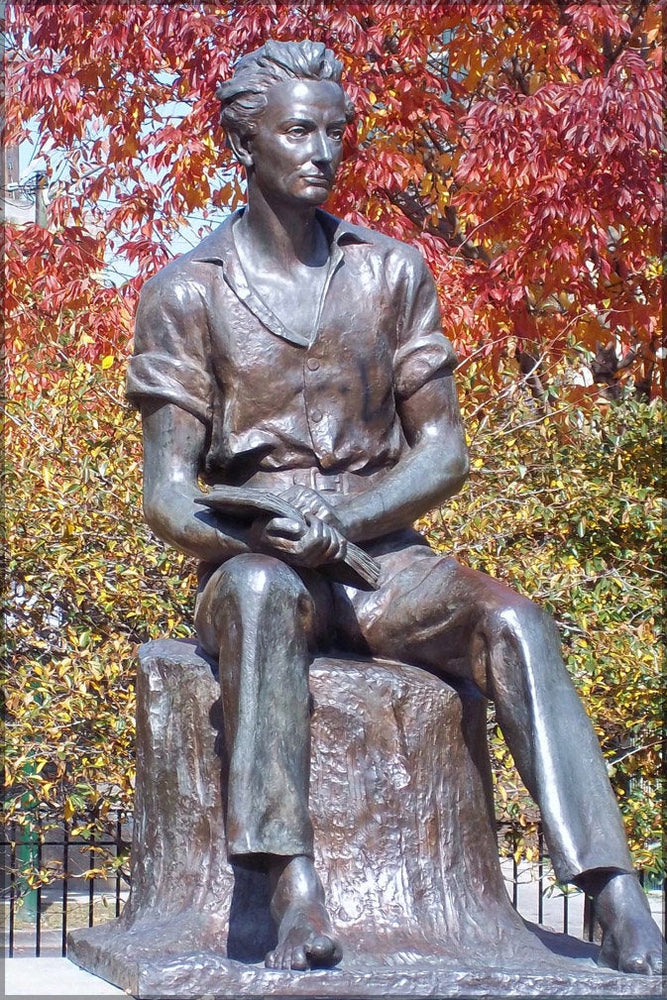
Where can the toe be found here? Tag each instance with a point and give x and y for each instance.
(270, 960)
(299, 960)
(655, 963)
(286, 961)
(637, 964)
(324, 950)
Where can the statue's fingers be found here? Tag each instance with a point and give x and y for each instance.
(335, 545)
(284, 528)
(322, 512)
(314, 545)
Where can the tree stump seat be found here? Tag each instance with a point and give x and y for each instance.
(400, 799)
(405, 845)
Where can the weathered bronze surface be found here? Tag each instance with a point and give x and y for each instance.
(300, 355)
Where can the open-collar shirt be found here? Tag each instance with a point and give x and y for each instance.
(271, 398)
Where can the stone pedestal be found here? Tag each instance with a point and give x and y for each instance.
(401, 804)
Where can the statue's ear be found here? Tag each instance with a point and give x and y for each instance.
(241, 147)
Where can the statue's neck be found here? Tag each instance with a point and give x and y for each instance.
(283, 234)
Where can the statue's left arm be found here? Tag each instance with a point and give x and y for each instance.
(434, 462)
(433, 467)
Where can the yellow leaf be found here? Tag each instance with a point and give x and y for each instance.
(107, 361)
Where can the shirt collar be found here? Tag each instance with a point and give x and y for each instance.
(219, 248)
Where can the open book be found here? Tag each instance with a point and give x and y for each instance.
(358, 569)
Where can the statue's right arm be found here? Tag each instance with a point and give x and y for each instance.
(174, 442)
(169, 379)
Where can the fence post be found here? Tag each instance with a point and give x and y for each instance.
(26, 856)
(119, 831)
(63, 946)
(588, 929)
(12, 888)
(540, 874)
(38, 893)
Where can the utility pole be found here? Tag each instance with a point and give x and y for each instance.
(40, 195)
(19, 199)
(10, 178)
(23, 199)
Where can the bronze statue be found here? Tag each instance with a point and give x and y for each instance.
(294, 354)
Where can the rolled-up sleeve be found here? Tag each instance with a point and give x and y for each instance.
(423, 351)
(171, 360)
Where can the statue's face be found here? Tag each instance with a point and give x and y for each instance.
(297, 146)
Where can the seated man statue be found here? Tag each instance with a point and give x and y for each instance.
(295, 353)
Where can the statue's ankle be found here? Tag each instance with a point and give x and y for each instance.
(597, 880)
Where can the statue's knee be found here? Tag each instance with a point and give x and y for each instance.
(257, 574)
(251, 588)
(513, 634)
(527, 622)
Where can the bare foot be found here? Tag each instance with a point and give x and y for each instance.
(631, 940)
(305, 934)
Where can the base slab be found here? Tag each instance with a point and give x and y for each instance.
(560, 966)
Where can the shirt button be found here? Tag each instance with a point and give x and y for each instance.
(313, 364)
(316, 416)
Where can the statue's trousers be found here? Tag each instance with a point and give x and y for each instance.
(264, 621)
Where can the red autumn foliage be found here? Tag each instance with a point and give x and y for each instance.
(516, 143)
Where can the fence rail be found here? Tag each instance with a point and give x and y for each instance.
(37, 919)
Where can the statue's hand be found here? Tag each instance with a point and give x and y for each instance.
(310, 542)
(313, 503)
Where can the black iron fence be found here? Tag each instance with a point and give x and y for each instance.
(92, 883)
(55, 879)
(536, 895)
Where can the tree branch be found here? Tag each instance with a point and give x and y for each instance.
(611, 54)
(529, 367)
(445, 227)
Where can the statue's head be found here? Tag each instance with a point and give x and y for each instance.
(243, 97)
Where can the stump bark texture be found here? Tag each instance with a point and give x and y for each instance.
(405, 844)
(400, 799)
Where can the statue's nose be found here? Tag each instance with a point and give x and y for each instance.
(322, 152)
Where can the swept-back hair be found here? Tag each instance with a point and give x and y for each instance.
(243, 97)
